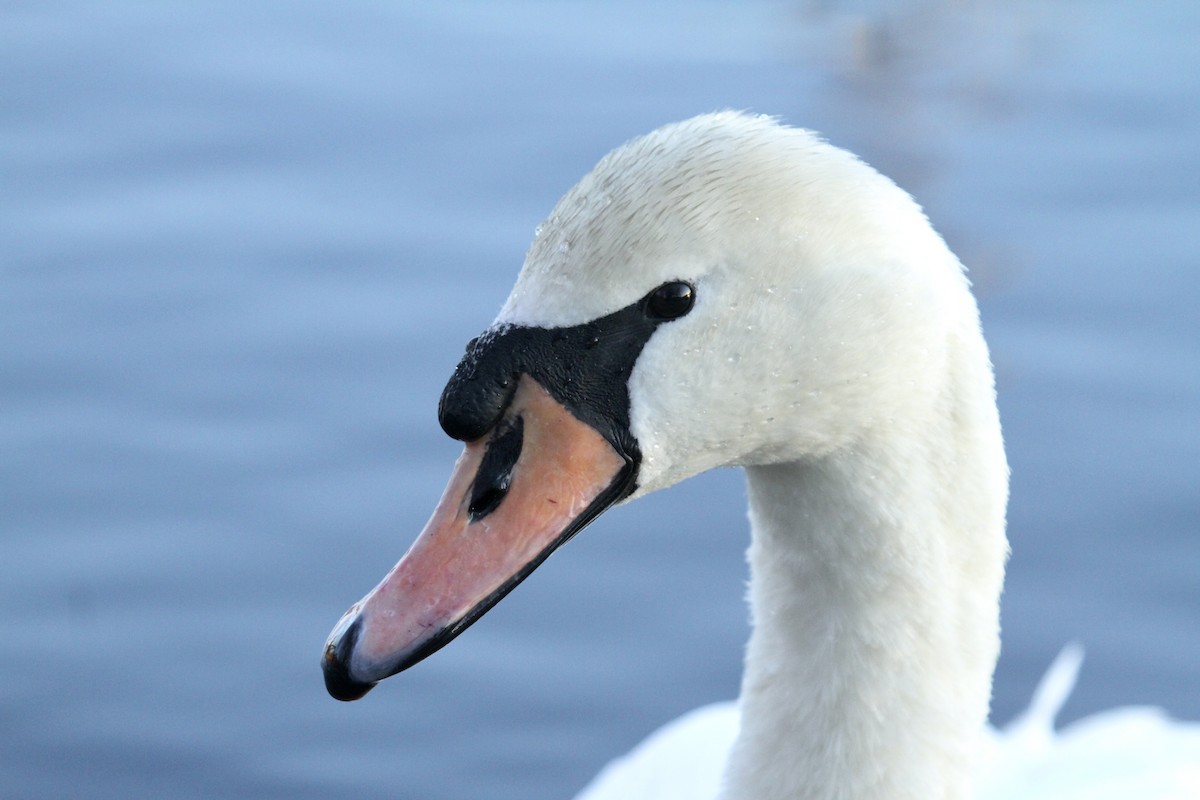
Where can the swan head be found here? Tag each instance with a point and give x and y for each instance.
(723, 291)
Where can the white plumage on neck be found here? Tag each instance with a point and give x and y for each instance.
(875, 579)
(868, 673)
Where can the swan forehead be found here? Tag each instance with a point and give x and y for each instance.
(668, 206)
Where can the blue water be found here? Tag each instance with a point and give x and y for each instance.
(242, 245)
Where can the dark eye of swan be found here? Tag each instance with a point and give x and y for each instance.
(671, 300)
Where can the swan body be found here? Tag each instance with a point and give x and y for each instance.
(1114, 755)
(727, 291)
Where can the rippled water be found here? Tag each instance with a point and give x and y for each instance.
(242, 245)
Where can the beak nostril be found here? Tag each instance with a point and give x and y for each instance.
(495, 470)
(485, 502)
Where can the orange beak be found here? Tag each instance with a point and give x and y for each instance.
(514, 496)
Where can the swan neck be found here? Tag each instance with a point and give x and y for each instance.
(875, 581)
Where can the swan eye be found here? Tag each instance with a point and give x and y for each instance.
(671, 300)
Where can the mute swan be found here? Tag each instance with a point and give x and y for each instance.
(730, 291)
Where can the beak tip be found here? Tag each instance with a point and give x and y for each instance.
(335, 663)
(342, 687)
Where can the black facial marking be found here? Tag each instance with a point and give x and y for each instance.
(585, 367)
(495, 471)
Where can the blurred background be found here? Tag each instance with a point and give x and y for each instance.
(242, 245)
